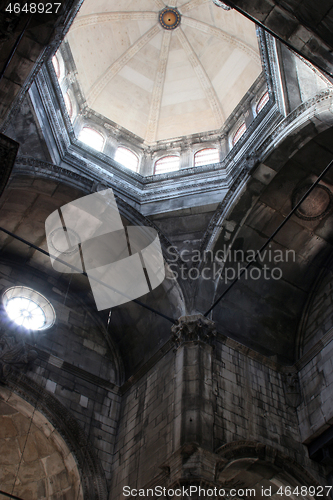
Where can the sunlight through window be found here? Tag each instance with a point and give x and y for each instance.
(127, 158)
(28, 308)
(92, 138)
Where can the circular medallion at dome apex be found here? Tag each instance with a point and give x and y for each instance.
(28, 308)
(156, 82)
(169, 18)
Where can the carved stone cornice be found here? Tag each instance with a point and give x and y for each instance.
(8, 151)
(194, 328)
(55, 29)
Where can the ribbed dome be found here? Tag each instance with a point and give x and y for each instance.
(163, 76)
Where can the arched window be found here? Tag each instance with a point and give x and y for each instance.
(166, 164)
(262, 102)
(127, 158)
(68, 104)
(56, 66)
(92, 138)
(240, 131)
(206, 157)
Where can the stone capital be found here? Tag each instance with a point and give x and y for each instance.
(193, 328)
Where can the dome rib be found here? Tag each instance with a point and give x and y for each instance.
(203, 78)
(105, 17)
(160, 4)
(192, 4)
(221, 35)
(155, 104)
(172, 82)
(116, 66)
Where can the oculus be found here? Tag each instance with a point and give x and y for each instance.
(28, 308)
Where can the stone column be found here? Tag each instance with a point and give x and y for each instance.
(147, 164)
(224, 147)
(186, 156)
(194, 414)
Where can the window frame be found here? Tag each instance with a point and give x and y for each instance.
(163, 158)
(124, 148)
(208, 163)
(88, 127)
(239, 133)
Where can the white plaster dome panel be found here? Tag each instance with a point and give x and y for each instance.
(163, 83)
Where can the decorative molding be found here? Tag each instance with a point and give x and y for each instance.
(70, 9)
(122, 135)
(155, 104)
(203, 78)
(27, 165)
(115, 67)
(297, 119)
(8, 152)
(194, 328)
(139, 190)
(285, 370)
(169, 18)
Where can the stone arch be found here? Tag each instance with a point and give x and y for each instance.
(57, 431)
(317, 317)
(251, 464)
(303, 124)
(82, 186)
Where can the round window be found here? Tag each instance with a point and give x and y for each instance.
(28, 308)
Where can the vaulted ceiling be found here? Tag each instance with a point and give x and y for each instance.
(159, 79)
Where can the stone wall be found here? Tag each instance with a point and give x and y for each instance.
(251, 404)
(195, 402)
(315, 413)
(318, 316)
(76, 364)
(305, 25)
(146, 429)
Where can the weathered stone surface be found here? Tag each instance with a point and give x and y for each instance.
(42, 469)
(7, 428)
(287, 18)
(195, 328)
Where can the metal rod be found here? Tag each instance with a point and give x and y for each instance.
(11, 55)
(35, 247)
(254, 20)
(326, 169)
(9, 495)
